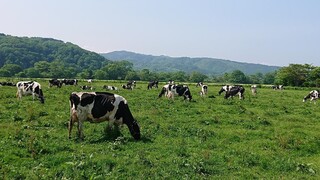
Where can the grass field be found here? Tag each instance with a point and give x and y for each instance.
(271, 136)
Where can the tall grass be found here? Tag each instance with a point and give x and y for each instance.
(272, 135)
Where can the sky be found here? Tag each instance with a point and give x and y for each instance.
(270, 32)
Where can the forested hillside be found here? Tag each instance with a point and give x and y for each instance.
(208, 66)
(54, 57)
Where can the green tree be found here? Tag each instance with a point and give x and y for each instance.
(197, 77)
(9, 70)
(238, 76)
(293, 75)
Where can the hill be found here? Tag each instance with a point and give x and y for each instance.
(209, 66)
(26, 51)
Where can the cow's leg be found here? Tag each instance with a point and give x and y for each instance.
(70, 125)
(80, 133)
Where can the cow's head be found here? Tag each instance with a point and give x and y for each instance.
(129, 120)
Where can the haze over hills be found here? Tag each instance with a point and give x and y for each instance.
(210, 66)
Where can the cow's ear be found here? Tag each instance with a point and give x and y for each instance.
(86, 99)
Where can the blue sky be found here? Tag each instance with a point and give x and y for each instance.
(271, 32)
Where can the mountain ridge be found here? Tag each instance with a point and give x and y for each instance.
(206, 65)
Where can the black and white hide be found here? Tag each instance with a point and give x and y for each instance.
(170, 91)
(277, 87)
(131, 84)
(129, 87)
(313, 95)
(96, 107)
(86, 87)
(29, 88)
(112, 88)
(225, 88)
(55, 82)
(70, 82)
(204, 89)
(153, 84)
(234, 91)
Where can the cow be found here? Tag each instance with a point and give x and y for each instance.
(170, 91)
(153, 84)
(28, 88)
(85, 87)
(225, 88)
(7, 84)
(234, 91)
(97, 107)
(313, 95)
(55, 82)
(129, 87)
(113, 88)
(90, 81)
(254, 90)
(277, 87)
(70, 82)
(131, 84)
(204, 89)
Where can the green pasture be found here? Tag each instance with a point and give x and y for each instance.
(273, 135)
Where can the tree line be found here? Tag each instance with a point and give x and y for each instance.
(293, 75)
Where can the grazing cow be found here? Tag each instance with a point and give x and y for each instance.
(225, 88)
(70, 82)
(254, 90)
(234, 91)
(127, 87)
(28, 88)
(131, 84)
(277, 87)
(85, 87)
(204, 89)
(313, 95)
(97, 107)
(170, 91)
(153, 84)
(113, 88)
(7, 84)
(90, 81)
(55, 82)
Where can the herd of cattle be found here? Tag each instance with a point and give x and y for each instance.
(97, 107)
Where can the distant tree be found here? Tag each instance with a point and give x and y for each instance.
(293, 75)
(179, 76)
(9, 70)
(238, 76)
(269, 78)
(197, 77)
(100, 74)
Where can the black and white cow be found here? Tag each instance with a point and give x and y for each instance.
(129, 87)
(277, 87)
(97, 107)
(7, 84)
(55, 82)
(171, 90)
(131, 84)
(234, 91)
(313, 95)
(112, 88)
(153, 84)
(86, 87)
(225, 88)
(30, 88)
(70, 82)
(204, 89)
